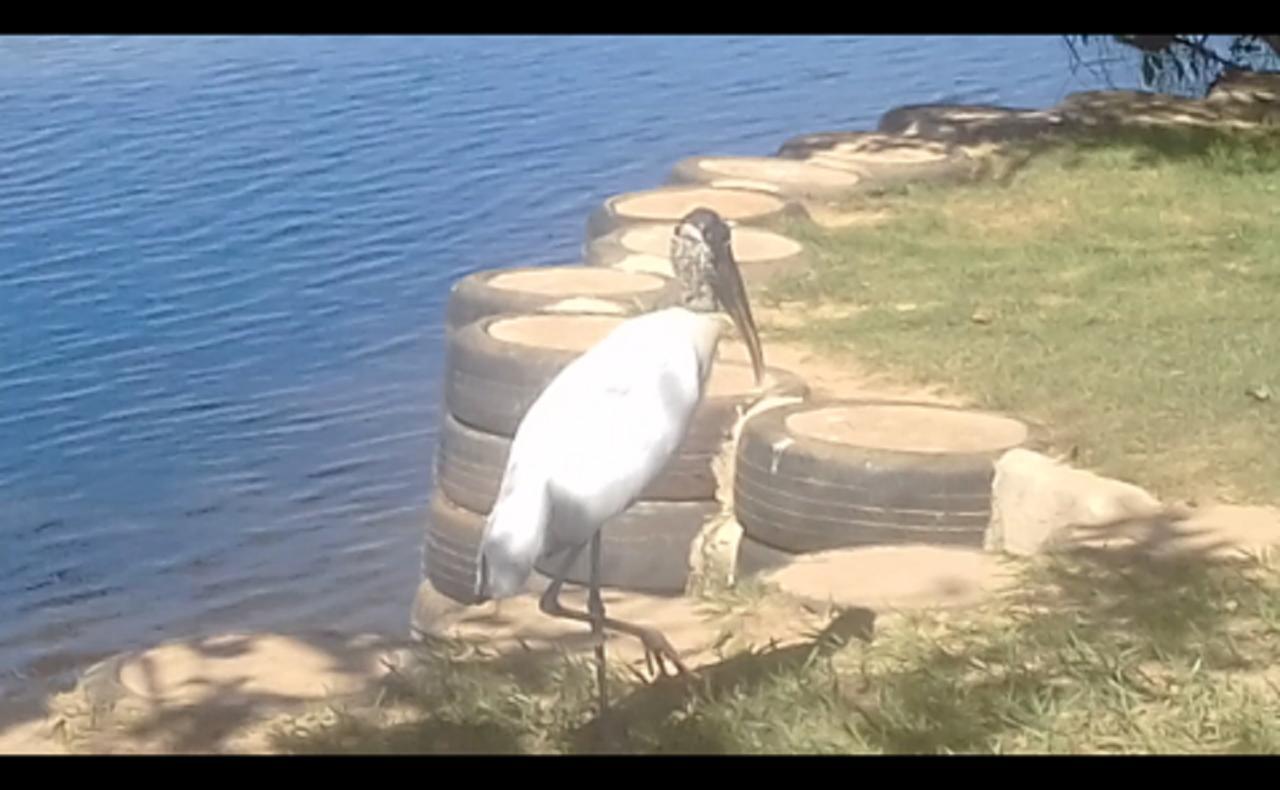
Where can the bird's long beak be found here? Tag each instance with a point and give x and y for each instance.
(733, 295)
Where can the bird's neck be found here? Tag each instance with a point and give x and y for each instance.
(694, 268)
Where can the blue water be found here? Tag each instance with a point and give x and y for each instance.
(223, 264)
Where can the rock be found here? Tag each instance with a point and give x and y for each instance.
(1038, 502)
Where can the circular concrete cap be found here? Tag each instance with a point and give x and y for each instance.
(745, 183)
(642, 262)
(789, 172)
(983, 115)
(734, 379)
(584, 304)
(216, 669)
(909, 428)
(561, 332)
(673, 203)
(913, 576)
(579, 332)
(576, 281)
(893, 151)
(750, 245)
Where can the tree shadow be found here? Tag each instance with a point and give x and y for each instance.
(1225, 135)
(642, 720)
(198, 695)
(1110, 625)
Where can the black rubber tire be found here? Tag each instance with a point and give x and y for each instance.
(822, 149)
(452, 548)
(814, 495)
(690, 171)
(606, 218)
(609, 250)
(755, 558)
(473, 298)
(470, 465)
(645, 549)
(944, 122)
(490, 384)
(801, 146)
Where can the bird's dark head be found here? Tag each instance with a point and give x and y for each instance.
(704, 226)
(702, 257)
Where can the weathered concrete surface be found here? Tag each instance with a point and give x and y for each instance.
(1042, 505)
(894, 577)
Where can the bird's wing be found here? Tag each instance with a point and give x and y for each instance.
(595, 438)
(608, 427)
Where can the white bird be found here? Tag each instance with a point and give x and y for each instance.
(605, 427)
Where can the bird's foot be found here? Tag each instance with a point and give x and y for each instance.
(657, 652)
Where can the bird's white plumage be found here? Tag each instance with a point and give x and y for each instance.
(595, 438)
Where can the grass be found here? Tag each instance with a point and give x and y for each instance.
(1094, 655)
(1123, 294)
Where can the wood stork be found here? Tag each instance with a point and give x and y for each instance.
(605, 427)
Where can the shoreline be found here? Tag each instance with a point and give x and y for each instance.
(16, 733)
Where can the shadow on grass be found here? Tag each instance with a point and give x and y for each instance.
(1099, 651)
(1102, 651)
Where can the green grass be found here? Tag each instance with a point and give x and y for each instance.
(1094, 655)
(1126, 295)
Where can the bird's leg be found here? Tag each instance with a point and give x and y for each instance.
(656, 647)
(655, 644)
(595, 607)
(549, 603)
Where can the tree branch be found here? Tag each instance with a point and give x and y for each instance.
(1200, 49)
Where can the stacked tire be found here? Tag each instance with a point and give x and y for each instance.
(884, 160)
(971, 124)
(496, 368)
(762, 255)
(454, 526)
(564, 288)
(743, 205)
(786, 177)
(842, 474)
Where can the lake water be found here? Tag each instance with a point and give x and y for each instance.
(223, 266)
